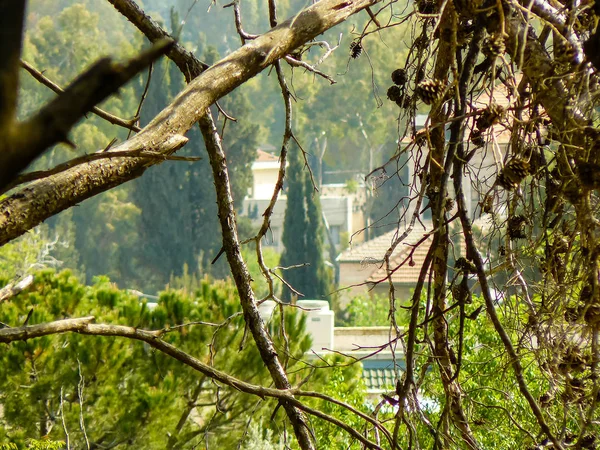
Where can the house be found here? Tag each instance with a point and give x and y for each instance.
(363, 270)
(343, 210)
(362, 266)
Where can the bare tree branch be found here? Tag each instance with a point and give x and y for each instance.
(129, 124)
(242, 277)
(25, 141)
(85, 326)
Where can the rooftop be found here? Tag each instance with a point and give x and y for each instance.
(373, 251)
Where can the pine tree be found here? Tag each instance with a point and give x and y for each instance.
(303, 234)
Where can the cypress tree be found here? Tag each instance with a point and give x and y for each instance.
(303, 234)
(318, 277)
(294, 226)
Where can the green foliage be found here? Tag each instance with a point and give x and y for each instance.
(369, 311)
(343, 382)
(259, 437)
(19, 257)
(35, 444)
(143, 392)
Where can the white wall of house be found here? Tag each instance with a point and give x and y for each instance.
(265, 175)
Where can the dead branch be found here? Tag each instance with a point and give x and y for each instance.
(25, 141)
(129, 124)
(39, 174)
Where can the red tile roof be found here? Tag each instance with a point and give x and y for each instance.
(405, 266)
(374, 250)
(406, 260)
(263, 156)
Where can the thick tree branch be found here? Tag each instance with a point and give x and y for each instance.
(25, 141)
(38, 174)
(47, 197)
(12, 13)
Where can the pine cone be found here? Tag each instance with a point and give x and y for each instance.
(355, 49)
(490, 116)
(394, 94)
(487, 204)
(420, 138)
(589, 174)
(477, 138)
(427, 6)
(494, 45)
(399, 77)
(430, 90)
(513, 173)
(516, 227)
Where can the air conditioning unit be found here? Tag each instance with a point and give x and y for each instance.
(319, 323)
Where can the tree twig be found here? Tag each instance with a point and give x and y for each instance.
(26, 140)
(39, 76)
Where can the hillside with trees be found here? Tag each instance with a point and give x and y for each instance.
(134, 167)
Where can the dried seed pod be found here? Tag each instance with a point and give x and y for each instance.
(355, 49)
(477, 138)
(577, 384)
(560, 245)
(533, 153)
(588, 441)
(592, 315)
(420, 137)
(430, 90)
(516, 227)
(571, 314)
(586, 294)
(427, 6)
(487, 204)
(589, 174)
(459, 293)
(465, 265)
(399, 77)
(545, 399)
(494, 45)
(490, 116)
(394, 94)
(513, 173)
